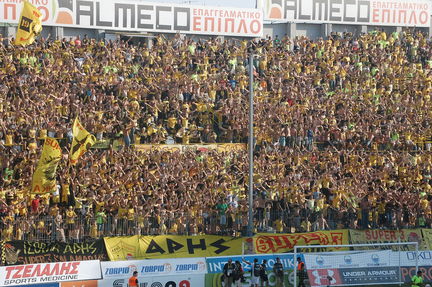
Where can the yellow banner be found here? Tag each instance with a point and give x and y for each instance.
(82, 141)
(169, 246)
(122, 248)
(281, 243)
(30, 25)
(388, 236)
(44, 177)
(184, 148)
(427, 238)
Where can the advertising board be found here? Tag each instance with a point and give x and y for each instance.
(141, 16)
(215, 279)
(339, 260)
(18, 275)
(154, 267)
(186, 280)
(405, 13)
(353, 276)
(216, 264)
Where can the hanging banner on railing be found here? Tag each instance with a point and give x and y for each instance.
(27, 252)
(277, 243)
(427, 238)
(405, 13)
(169, 246)
(19, 275)
(139, 16)
(388, 236)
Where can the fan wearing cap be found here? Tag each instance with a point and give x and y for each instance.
(133, 280)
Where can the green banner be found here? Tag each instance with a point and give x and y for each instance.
(215, 280)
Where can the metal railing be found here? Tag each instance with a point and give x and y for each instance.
(88, 227)
(85, 228)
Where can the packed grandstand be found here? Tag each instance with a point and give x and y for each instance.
(342, 129)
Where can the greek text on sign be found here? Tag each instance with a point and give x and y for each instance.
(142, 16)
(410, 13)
(154, 267)
(49, 272)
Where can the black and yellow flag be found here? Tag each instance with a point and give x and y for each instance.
(44, 177)
(82, 141)
(29, 26)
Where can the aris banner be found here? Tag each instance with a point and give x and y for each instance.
(168, 246)
(388, 236)
(278, 243)
(25, 252)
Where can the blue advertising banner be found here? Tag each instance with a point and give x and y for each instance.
(216, 264)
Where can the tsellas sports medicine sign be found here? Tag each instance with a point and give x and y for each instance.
(407, 13)
(49, 272)
(142, 16)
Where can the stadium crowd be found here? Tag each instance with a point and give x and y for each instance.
(342, 134)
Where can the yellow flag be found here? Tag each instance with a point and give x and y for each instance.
(29, 26)
(44, 177)
(82, 141)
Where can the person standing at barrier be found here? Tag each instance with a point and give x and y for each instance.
(301, 272)
(256, 272)
(279, 272)
(133, 280)
(417, 280)
(228, 271)
(238, 274)
(264, 276)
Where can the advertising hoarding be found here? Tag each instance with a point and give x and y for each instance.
(18, 275)
(405, 13)
(142, 16)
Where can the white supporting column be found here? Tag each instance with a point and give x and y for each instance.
(291, 30)
(326, 30)
(57, 32)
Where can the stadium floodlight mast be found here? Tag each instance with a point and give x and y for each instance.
(251, 143)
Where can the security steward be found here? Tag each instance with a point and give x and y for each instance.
(133, 281)
(301, 271)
